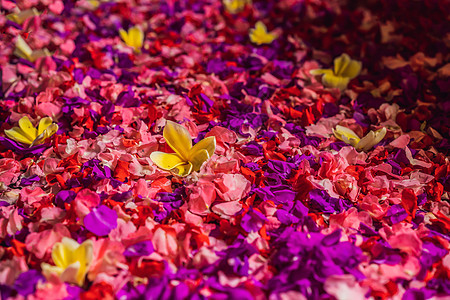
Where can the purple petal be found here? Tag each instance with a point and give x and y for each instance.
(101, 220)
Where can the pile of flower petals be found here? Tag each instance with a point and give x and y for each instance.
(283, 209)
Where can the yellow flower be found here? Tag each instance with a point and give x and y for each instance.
(71, 259)
(26, 133)
(20, 17)
(366, 143)
(133, 38)
(24, 51)
(345, 69)
(259, 34)
(187, 158)
(235, 6)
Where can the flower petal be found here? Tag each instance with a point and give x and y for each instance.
(166, 161)
(72, 274)
(178, 138)
(62, 252)
(43, 124)
(209, 144)
(136, 37)
(18, 135)
(352, 69)
(124, 35)
(183, 170)
(27, 128)
(320, 71)
(340, 64)
(22, 49)
(371, 139)
(198, 158)
(346, 135)
(331, 80)
(48, 132)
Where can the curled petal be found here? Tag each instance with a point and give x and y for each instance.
(178, 138)
(198, 158)
(346, 135)
(183, 169)
(72, 274)
(371, 139)
(43, 124)
(48, 132)
(166, 161)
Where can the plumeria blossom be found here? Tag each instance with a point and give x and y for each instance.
(71, 260)
(345, 69)
(366, 143)
(27, 134)
(259, 34)
(21, 16)
(187, 158)
(134, 38)
(235, 6)
(23, 50)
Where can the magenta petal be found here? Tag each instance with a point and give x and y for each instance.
(101, 220)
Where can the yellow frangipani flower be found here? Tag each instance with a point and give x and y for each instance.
(133, 38)
(345, 69)
(71, 260)
(20, 17)
(27, 134)
(366, 143)
(24, 51)
(259, 34)
(187, 158)
(235, 6)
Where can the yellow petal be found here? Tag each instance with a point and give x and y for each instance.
(353, 69)
(330, 80)
(28, 128)
(259, 34)
(340, 64)
(20, 17)
(346, 135)
(43, 124)
(84, 255)
(234, 6)
(48, 132)
(22, 49)
(320, 71)
(136, 37)
(61, 255)
(166, 161)
(183, 169)
(18, 135)
(39, 53)
(178, 138)
(198, 158)
(124, 35)
(209, 144)
(371, 139)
